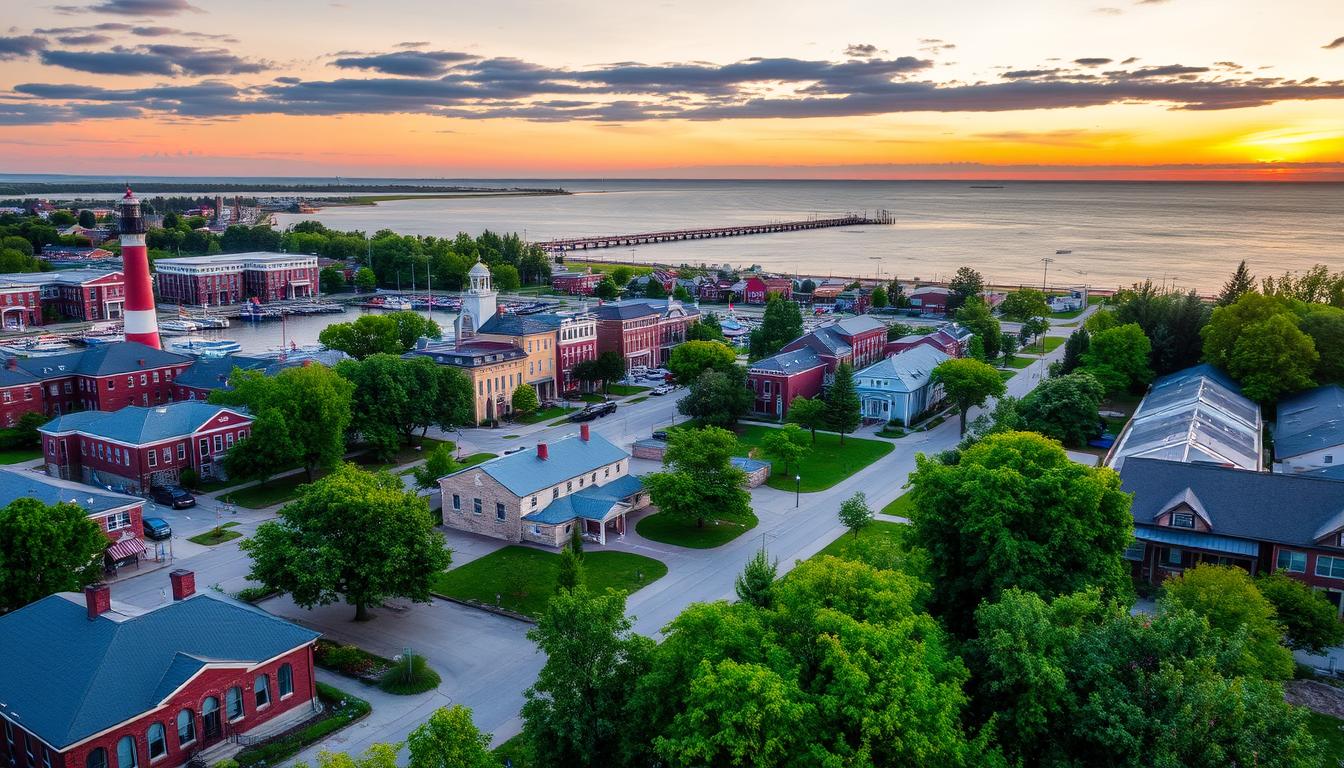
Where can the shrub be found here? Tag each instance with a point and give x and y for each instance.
(342, 710)
(188, 478)
(410, 675)
(253, 595)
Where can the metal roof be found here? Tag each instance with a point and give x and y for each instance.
(1194, 415)
(1310, 421)
(788, 363)
(910, 369)
(68, 678)
(594, 502)
(19, 484)
(1196, 540)
(524, 473)
(139, 425)
(631, 308)
(102, 360)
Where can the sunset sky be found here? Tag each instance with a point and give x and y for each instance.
(1153, 89)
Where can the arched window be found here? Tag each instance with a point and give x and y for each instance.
(96, 759)
(262, 687)
(186, 727)
(233, 700)
(158, 741)
(210, 725)
(126, 757)
(286, 680)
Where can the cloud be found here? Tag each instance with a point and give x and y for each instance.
(139, 7)
(405, 63)
(861, 50)
(169, 60)
(92, 38)
(136, 31)
(1091, 62)
(412, 44)
(20, 47)
(1338, 42)
(1108, 11)
(1129, 61)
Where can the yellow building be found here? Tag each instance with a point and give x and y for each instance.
(535, 336)
(495, 369)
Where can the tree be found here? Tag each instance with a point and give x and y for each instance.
(807, 286)
(1016, 512)
(438, 463)
(1118, 358)
(365, 279)
(689, 359)
(449, 739)
(574, 714)
(680, 293)
(1064, 408)
(353, 535)
(1074, 347)
(781, 324)
(707, 328)
(701, 480)
(1272, 358)
(504, 277)
(610, 366)
(809, 412)
(376, 756)
(855, 514)
(46, 549)
(331, 279)
(843, 409)
(879, 297)
(367, 335)
(300, 417)
(898, 330)
(718, 397)
(968, 384)
(965, 285)
(654, 289)
(1241, 283)
(412, 326)
(1024, 304)
(87, 219)
(1171, 320)
(569, 577)
(1008, 348)
(395, 396)
(525, 399)
(606, 289)
(1325, 326)
(1227, 597)
(977, 318)
(787, 445)
(1034, 328)
(62, 218)
(621, 274)
(1229, 323)
(1310, 622)
(757, 580)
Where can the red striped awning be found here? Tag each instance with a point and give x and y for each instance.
(125, 548)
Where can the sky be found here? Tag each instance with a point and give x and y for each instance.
(960, 89)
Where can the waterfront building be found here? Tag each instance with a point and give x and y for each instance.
(757, 290)
(71, 294)
(494, 368)
(777, 380)
(103, 378)
(540, 496)
(138, 448)
(901, 387)
(93, 683)
(643, 331)
(576, 283)
(233, 278)
(859, 341)
(535, 335)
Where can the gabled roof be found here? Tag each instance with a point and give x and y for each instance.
(509, 324)
(1185, 498)
(18, 484)
(788, 363)
(592, 503)
(1195, 415)
(1285, 509)
(524, 473)
(910, 369)
(103, 360)
(140, 425)
(632, 308)
(853, 326)
(213, 372)
(15, 377)
(78, 677)
(1310, 421)
(824, 341)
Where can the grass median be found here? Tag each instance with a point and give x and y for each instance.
(828, 462)
(680, 533)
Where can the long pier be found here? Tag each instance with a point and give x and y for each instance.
(648, 238)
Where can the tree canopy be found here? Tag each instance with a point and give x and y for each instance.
(395, 396)
(1256, 339)
(843, 408)
(701, 480)
(1064, 408)
(966, 284)
(1226, 597)
(707, 328)
(968, 383)
(977, 318)
(1310, 622)
(786, 445)
(1171, 320)
(300, 417)
(448, 739)
(1118, 358)
(392, 333)
(1241, 283)
(809, 413)
(1024, 304)
(691, 358)
(46, 549)
(718, 396)
(781, 324)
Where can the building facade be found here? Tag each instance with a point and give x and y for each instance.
(777, 380)
(576, 283)
(759, 289)
(859, 341)
(1309, 431)
(495, 369)
(534, 335)
(901, 387)
(575, 342)
(104, 378)
(643, 331)
(73, 294)
(236, 277)
(118, 516)
(952, 340)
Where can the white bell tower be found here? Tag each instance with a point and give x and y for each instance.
(478, 303)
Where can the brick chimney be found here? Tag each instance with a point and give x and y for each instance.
(98, 598)
(184, 583)
(542, 452)
(584, 433)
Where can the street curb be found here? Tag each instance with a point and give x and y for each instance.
(487, 608)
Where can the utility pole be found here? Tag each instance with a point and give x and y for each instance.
(1046, 271)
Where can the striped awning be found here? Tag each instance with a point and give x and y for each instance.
(125, 548)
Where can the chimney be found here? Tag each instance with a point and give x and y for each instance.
(12, 363)
(583, 432)
(184, 583)
(98, 597)
(542, 452)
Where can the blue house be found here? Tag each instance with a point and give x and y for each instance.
(901, 387)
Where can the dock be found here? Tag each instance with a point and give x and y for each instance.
(649, 238)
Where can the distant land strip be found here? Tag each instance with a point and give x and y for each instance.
(393, 191)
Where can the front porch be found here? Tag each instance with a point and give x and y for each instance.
(1159, 553)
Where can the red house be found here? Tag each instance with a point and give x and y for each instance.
(118, 516)
(951, 339)
(859, 341)
(575, 342)
(715, 290)
(776, 381)
(576, 283)
(20, 305)
(643, 331)
(758, 289)
(103, 378)
(139, 447)
(930, 299)
(93, 683)
(20, 393)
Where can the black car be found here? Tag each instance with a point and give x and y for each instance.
(156, 528)
(593, 411)
(660, 435)
(602, 409)
(173, 496)
(587, 414)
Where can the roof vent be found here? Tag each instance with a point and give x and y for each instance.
(161, 409)
(140, 362)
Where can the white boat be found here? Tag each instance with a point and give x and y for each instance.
(178, 325)
(38, 346)
(210, 321)
(398, 304)
(196, 345)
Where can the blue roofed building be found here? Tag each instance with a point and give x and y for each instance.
(540, 496)
(91, 684)
(1309, 432)
(117, 515)
(901, 387)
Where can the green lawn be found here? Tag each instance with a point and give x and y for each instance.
(476, 458)
(544, 414)
(1067, 315)
(627, 389)
(1327, 730)
(20, 454)
(901, 506)
(660, 527)
(269, 493)
(1022, 362)
(596, 266)
(217, 535)
(879, 529)
(1006, 375)
(1051, 343)
(827, 463)
(524, 577)
(591, 397)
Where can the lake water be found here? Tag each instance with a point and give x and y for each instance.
(1189, 235)
(262, 335)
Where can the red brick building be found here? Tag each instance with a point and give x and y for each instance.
(575, 342)
(758, 289)
(576, 283)
(951, 339)
(643, 331)
(715, 290)
(775, 381)
(73, 294)
(138, 448)
(102, 378)
(859, 341)
(119, 516)
(20, 393)
(103, 684)
(236, 277)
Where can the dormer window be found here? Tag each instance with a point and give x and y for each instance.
(1182, 520)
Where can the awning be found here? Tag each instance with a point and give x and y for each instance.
(125, 548)
(1194, 540)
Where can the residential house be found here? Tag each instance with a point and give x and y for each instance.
(643, 331)
(94, 683)
(54, 252)
(138, 448)
(952, 340)
(117, 515)
(716, 290)
(540, 496)
(757, 290)
(1309, 433)
(1194, 415)
(576, 283)
(930, 299)
(1186, 514)
(104, 378)
(859, 341)
(826, 292)
(901, 387)
(775, 381)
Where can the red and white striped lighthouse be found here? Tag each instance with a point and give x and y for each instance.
(142, 324)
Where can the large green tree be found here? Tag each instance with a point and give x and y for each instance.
(1310, 622)
(976, 317)
(968, 383)
(691, 358)
(1024, 304)
(1017, 512)
(1256, 339)
(331, 279)
(448, 739)
(46, 549)
(781, 324)
(786, 445)
(1119, 358)
(707, 328)
(394, 396)
(1325, 326)
(1241, 283)
(355, 536)
(809, 413)
(392, 333)
(1229, 600)
(718, 397)
(1171, 320)
(965, 285)
(702, 481)
(843, 408)
(1064, 408)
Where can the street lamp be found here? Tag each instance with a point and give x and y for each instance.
(797, 489)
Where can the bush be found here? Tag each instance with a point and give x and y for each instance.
(349, 660)
(254, 595)
(342, 710)
(188, 478)
(410, 675)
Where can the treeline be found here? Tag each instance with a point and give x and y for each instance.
(88, 188)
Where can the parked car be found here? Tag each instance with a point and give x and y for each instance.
(156, 528)
(512, 450)
(587, 414)
(603, 409)
(660, 434)
(173, 496)
(662, 389)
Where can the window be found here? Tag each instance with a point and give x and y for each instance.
(28, 747)
(457, 502)
(1330, 567)
(130, 381)
(219, 444)
(262, 689)
(500, 514)
(167, 454)
(46, 758)
(126, 757)
(606, 472)
(181, 451)
(534, 502)
(96, 759)
(156, 377)
(285, 680)
(153, 458)
(1293, 562)
(1182, 520)
(569, 486)
(118, 520)
(205, 447)
(111, 385)
(143, 379)
(186, 727)
(228, 439)
(1174, 556)
(158, 743)
(555, 492)
(1329, 459)
(233, 702)
(476, 506)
